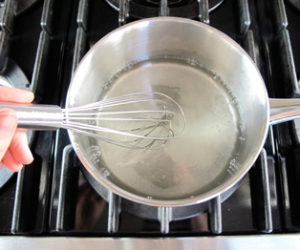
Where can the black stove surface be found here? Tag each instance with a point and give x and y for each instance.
(52, 196)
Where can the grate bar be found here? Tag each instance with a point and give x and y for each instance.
(164, 9)
(46, 19)
(7, 15)
(286, 51)
(244, 13)
(82, 15)
(288, 62)
(79, 49)
(215, 218)
(4, 46)
(15, 227)
(6, 28)
(285, 197)
(40, 60)
(165, 217)
(249, 45)
(123, 12)
(268, 222)
(114, 208)
(203, 11)
(280, 14)
(62, 188)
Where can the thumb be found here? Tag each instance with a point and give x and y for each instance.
(8, 125)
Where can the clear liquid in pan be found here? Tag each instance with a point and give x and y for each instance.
(193, 162)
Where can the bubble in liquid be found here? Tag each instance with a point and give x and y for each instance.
(94, 153)
(241, 138)
(105, 172)
(192, 61)
(234, 166)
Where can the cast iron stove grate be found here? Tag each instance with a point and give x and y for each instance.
(52, 197)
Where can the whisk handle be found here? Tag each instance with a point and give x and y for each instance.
(37, 116)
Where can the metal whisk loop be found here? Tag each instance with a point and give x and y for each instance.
(137, 120)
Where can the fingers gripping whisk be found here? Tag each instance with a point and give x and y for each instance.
(137, 120)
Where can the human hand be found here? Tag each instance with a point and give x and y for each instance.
(14, 150)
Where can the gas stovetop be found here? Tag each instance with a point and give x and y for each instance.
(41, 43)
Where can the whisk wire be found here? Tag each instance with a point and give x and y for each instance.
(137, 120)
(120, 100)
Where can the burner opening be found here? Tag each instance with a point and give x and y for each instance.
(295, 3)
(170, 2)
(150, 8)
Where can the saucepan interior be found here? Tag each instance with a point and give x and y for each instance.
(219, 89)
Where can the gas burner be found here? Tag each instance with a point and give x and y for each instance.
(151, 212)
(144, 211)
(13, 76)
(151, 8)
(295, 3)
(23, 5)
(170, 2)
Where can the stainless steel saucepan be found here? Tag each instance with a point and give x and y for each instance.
(222, 95)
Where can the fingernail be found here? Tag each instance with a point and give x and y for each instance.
(27, 152)
(29, 96)
(29, 156)
(24, 95)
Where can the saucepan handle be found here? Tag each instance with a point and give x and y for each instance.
(282, 110)
(37, 116)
